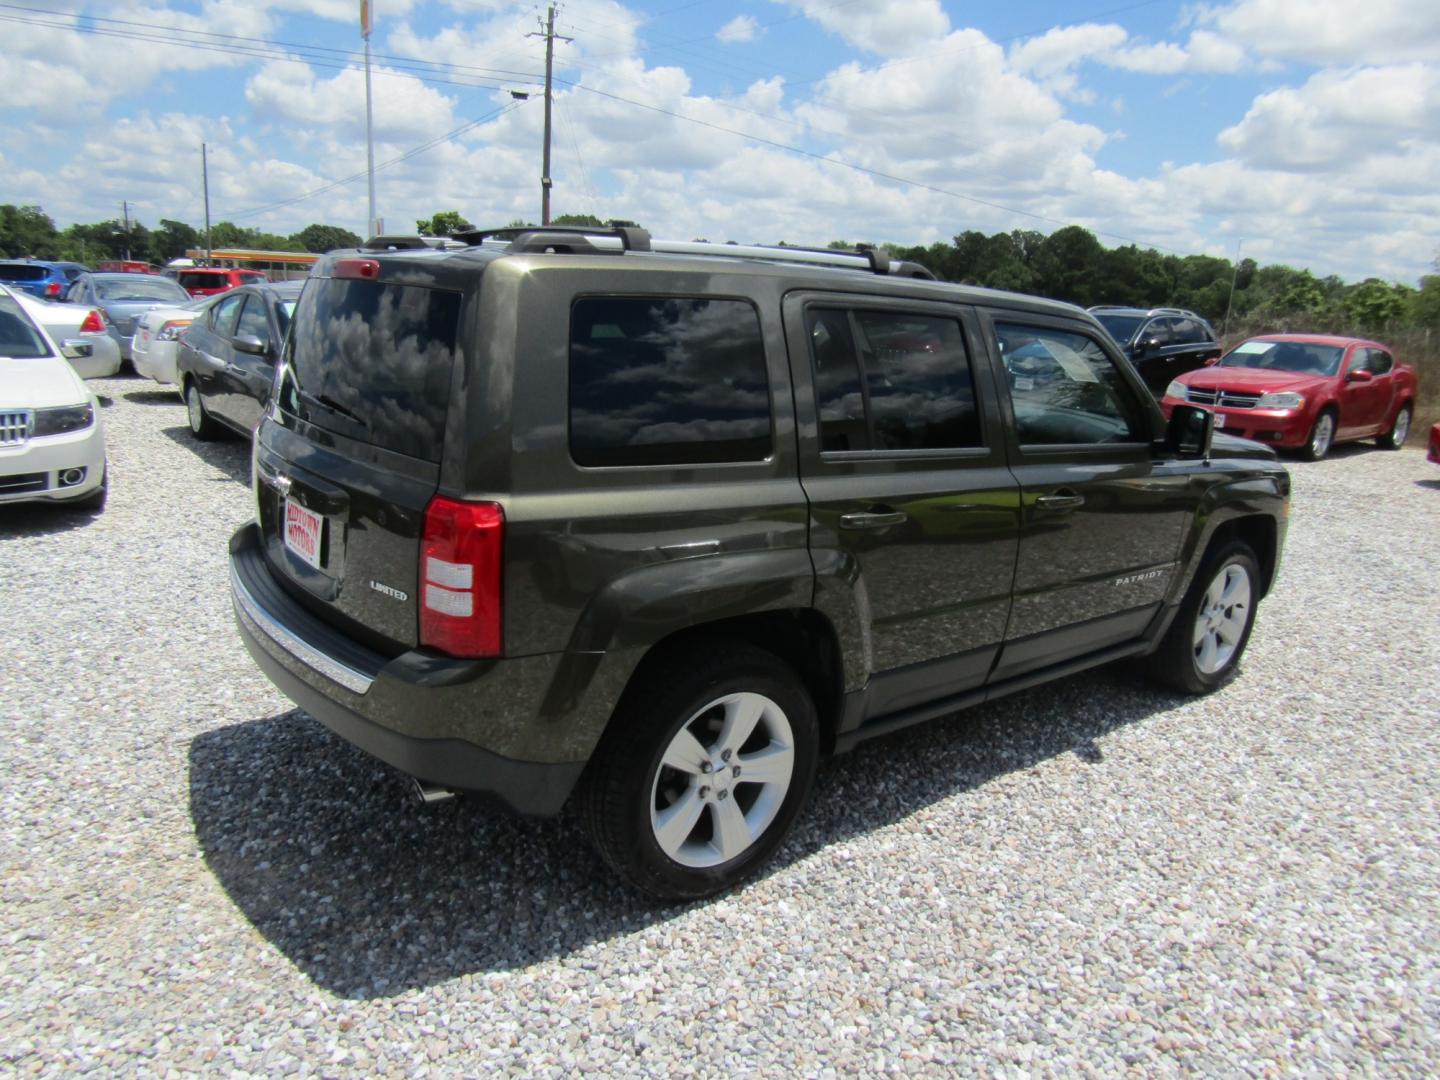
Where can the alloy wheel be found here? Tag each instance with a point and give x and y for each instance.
(1221, 621)
(1401, 429)
(722, 780)
(194, 409)
(1321, 436)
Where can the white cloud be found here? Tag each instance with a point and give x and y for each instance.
(884, 27)
(1332, 31)
(1339, 120)
(405, 109)
(739, 29)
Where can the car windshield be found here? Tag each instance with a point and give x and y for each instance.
(1121, 327)
(23, 272)
(1300, 357)
(139, 288)
(19, 339)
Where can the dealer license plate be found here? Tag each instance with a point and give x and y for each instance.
(304, 530)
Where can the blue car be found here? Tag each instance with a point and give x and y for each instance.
(43, 279)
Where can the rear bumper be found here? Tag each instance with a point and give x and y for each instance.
(157, 362)
(423, 714)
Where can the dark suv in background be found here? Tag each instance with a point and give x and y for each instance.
(1162, 343)
(571, 514)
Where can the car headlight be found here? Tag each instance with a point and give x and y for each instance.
(1176, 390)
(171, 331)
(64, 419)
(1280, 401)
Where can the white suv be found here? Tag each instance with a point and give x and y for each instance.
(52, 439)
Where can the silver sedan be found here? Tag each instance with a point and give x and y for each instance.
(125, 297)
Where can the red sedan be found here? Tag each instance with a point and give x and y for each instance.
(1304, 392)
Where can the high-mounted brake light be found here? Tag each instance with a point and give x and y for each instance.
(93, 324)
(365, 269)
(461, 554)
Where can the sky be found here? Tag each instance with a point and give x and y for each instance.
(1304, 132)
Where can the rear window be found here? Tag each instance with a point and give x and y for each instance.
(201, 279)
(372, 361)
(18, 337)
(667, 381)
(248, 277)
(23, 272)
(135, 287)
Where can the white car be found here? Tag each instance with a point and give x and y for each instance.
(52, 437)
(152, 350)
(66, 323)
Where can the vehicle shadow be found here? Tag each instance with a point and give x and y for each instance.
(1433, 485)
(43, 519)
(229, 453)
(155, 397)
(371, 894)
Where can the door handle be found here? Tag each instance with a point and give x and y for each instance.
(1059, 502)
(864, 519)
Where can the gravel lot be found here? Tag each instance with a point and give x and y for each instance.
(1089, 878)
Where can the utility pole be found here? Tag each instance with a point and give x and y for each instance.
(205, 183)
(125, 209)
(365, 24)
(1225, 326)
(548, 33)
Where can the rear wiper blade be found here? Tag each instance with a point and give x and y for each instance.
(325, 401)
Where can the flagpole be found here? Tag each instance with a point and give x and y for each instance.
(369, 119)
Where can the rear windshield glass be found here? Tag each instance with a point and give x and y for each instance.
(202, 279)
(18, 337)
(373, 361)
(135, 287)
(23, 272)
(1121, 327)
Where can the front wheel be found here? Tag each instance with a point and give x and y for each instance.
(1201, 651)
(706, 766)
(1399, 430)
(1321, 436)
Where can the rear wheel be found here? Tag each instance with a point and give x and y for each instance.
(1201, 651)
(706, 766)
(201, 425)
(1321, 436)
(1399, 430)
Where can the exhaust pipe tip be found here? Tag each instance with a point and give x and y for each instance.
(429, 793)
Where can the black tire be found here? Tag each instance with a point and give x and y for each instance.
(625, 785)
(202, 426)
(1317, 443)
(95, 501)
(1178, 662)
(1399, 430)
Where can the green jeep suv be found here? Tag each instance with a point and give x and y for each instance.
(578, 516)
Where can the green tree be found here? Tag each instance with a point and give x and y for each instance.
(442, 223)
(26, 231)
(322, 238)
(578, 219)
(172, 240)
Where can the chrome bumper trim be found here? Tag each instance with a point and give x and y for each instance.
(354, 681)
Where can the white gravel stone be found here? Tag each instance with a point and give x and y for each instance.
(1088, 879)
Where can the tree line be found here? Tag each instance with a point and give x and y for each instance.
(28, 232)
(1069, 264)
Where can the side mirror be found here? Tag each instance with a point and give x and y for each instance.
(76, 350)
(249, 343)
(1360, 375)
(1190, 431)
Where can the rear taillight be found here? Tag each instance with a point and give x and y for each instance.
(52, 290)
(93, 323)
(460, 566)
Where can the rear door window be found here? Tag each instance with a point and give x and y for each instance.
(887, 380)
(667, 381)
(372, 361)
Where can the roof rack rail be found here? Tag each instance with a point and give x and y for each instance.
(408, 243)
(617, 240)
(563, 239)
(868, 258)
